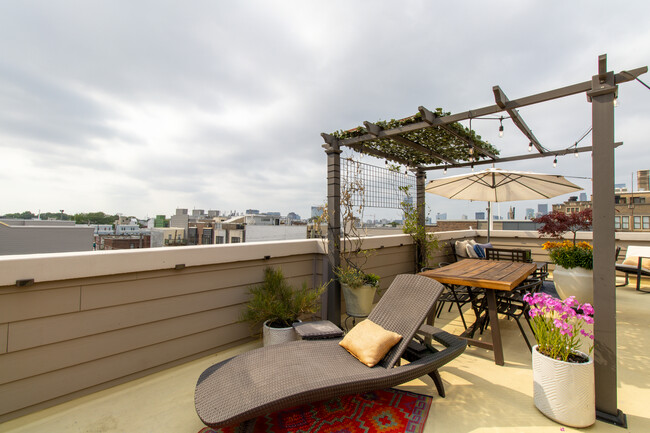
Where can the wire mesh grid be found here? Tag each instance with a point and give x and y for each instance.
(372, 186)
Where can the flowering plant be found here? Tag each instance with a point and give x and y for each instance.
(571, 255)
(558, 324)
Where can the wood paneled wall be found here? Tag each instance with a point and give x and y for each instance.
(62, 339)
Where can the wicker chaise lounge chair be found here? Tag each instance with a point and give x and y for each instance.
(277, 377)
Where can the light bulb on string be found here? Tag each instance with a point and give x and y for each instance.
(501, 127)
(616, 103)
(555, 162)
(530, 146)
(575, 153)
(445, 170)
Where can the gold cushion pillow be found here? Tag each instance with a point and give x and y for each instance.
(634, 261)
(369, 342)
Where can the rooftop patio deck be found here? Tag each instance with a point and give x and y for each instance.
(481, 396)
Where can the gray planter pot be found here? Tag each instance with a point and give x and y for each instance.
(272, 336)
(358, 301)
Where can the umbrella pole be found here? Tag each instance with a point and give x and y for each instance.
(489, 220)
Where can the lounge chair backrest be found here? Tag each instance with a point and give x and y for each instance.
(403, 308)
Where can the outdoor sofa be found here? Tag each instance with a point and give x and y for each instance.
(637, 262)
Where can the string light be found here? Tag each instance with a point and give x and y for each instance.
(445, 170)
(501, 127)
(530, 146)
(472, 167)
(616, 103)
(555, 162)
(575, 153)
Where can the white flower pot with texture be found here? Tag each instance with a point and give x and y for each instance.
(578, 282)
(358, 301)
(272, 336)
(564, 391)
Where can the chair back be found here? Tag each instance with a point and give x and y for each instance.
(512, 255)
(403, 309)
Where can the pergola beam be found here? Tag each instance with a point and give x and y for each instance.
(374, 130)
(429, 116)
(545, 154)
(359, 147)
(502, 100)
(561, 92)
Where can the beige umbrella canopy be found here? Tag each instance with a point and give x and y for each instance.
(497, 185)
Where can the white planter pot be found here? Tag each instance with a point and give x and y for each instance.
(358, 302)
(564, 391)
(272, 336)
(578, 282)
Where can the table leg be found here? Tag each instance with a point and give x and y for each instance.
(494, 326)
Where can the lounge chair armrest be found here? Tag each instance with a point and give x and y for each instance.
(446, 339)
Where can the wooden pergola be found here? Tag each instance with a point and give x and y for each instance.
(432, 140)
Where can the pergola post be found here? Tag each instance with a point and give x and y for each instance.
(333, 151)
(420, 180)
(602, 94)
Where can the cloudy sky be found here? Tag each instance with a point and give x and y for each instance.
(140, 107)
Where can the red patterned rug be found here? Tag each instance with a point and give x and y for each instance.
(384, 411)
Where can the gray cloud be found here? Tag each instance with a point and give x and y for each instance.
(139, 107)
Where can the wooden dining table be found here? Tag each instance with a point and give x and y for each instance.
(491, 275)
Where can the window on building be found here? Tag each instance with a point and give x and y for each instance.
(639, 200)
(625, 223)
(235, 240)
(637, 223)
(617, 222)
(218, 240)
(646, 222)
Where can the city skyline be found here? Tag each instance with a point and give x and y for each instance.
(108, 106)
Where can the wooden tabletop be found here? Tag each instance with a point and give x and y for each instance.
(488, 274)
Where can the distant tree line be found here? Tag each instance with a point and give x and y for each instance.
(79, 218)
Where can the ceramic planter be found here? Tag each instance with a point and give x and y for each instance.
(564, 391)
(272, 336)
(578, 282)
(358, 301)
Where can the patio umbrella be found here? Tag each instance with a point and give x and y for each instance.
(497, 185)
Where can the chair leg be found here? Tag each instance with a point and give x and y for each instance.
(521, 328)
(460, 310)
(437, 380)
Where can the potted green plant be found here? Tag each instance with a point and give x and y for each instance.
(425, 243)
(574, 262)
(359, 289)
(563, 376)
(275, 305)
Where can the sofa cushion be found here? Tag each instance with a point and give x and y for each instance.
(461, 248)
(634, 261)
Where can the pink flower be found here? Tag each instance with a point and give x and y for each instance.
(570, 301)
(587, 309)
